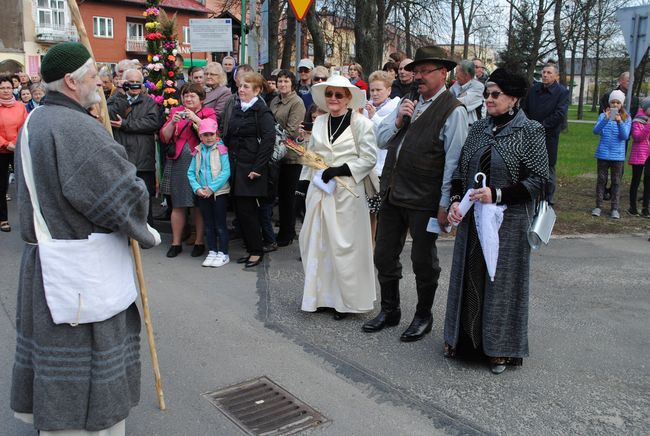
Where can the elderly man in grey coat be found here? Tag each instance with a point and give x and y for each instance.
(83, 379)
(468, 90)
(135, 119)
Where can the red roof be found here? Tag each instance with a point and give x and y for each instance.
(186, 5)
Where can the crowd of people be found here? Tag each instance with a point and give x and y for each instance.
(387, 154)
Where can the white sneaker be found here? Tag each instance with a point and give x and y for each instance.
(220, 260)
(595, 211)
(210, 258)
(614, 214)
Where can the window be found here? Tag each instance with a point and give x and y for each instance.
(102, 27)
(51, 13)
(135, 32)
(186, 34)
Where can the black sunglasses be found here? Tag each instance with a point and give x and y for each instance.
(337, 95)
(319, 79)
(493, 94)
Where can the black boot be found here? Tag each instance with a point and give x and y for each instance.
(390, 313)
(420, 326)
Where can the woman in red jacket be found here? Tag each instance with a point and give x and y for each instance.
(12, 117)
(356, 77)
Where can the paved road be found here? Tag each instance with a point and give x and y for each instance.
(587, 374)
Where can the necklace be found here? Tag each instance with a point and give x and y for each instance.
(495, 128)
(332, 135)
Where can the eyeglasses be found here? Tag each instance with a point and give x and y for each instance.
(6, 88)
(336, 95)
(493, 94)
(319, 79)
(426, 72)
(211, 74)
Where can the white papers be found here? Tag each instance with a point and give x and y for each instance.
(434, 227)
(328, 187)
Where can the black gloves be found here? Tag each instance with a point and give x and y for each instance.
(332, 172)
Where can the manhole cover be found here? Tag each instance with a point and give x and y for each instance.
(261, 407)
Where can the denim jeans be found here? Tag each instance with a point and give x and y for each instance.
(213, 210)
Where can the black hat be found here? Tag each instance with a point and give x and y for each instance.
(61, 59)
(431, 53)
(512, 84)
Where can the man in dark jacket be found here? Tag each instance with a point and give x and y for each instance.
(548, 102)
(427, 134)
(136, 119)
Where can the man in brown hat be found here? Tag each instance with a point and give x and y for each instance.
(427, 135)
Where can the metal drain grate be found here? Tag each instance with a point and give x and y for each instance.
(261, 407)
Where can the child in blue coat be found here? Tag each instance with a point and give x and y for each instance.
(208, 174)
(613, 126)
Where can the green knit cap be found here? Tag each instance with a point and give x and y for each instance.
(62, 59)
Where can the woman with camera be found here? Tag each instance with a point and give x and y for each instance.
(181, 131)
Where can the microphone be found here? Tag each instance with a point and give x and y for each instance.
(413, 95)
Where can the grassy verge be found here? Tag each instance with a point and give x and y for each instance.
(587, 114)
(576, 190)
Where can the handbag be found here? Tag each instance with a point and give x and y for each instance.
(85, 280)
(541, 227)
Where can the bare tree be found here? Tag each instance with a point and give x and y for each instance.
(289, 40)
(317, 39)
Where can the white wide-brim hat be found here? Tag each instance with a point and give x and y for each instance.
(318, 92)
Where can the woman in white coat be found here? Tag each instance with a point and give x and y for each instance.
(335, 241)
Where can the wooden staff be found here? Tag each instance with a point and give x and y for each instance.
(135, 247)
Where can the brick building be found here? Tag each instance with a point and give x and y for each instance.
(28, 28)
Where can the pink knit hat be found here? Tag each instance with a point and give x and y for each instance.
(207, 125)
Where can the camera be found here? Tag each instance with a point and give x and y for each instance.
(183, 115)
(127, 86)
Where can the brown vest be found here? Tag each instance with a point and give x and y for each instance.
(414, 180)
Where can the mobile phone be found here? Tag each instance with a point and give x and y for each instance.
(307, 126)
(613, 113)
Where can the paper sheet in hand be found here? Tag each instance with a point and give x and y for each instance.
(328, 187)
(434, 227)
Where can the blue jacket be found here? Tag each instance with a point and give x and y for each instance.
(201, 172)
(613, 135)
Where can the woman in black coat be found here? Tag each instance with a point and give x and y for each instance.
(250, 138)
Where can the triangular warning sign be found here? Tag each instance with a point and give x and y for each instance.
(300, 8)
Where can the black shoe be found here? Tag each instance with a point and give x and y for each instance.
(285, 242)
(645, 213)
(338, 316)
(252, 263)
(632, 212)
(174, 250)
(270, 247)
(243, 259)
(383, 319)
(419, 327)
(198, 250)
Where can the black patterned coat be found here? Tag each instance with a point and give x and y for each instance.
(518, 155)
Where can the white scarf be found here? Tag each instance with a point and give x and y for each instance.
(246, 106)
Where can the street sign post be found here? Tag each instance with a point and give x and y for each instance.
(634, 24)
(299, 8)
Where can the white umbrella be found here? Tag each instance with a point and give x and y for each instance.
(488, 217)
